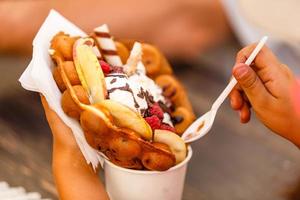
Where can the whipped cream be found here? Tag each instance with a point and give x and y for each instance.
(124, 91)
(130, 91)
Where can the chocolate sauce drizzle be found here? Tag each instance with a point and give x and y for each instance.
(144, 94)
(147, 96)
(128, 89)
(102, 34)
(109, 52)
(113, 80)
(117, 75)
(143, 112)
(164, 107)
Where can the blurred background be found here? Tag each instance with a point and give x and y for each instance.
(201, 39)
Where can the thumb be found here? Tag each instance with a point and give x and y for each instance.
(250, 83)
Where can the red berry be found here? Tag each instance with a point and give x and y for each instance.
(167, 127)
(155, 109)
(105, 67)
(116, 69)
(154, 122)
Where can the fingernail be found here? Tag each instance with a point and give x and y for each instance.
(240, 71)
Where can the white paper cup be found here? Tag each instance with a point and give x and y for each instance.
(127, 184)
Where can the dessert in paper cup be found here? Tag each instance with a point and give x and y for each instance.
(131, 109)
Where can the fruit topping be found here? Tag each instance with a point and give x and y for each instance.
(175, 143)
(116, 69)
(155, 109)
(154, 122)
(88, 69)
(105, 67)
(167, 127)
(125, 117)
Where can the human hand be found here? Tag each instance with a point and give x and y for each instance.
(63, 138)
(74, 178)
(268, 87)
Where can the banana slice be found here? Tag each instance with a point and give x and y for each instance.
(175, 143)
(126, 118)
(89, 70)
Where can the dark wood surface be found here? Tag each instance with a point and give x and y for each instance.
(233, 162)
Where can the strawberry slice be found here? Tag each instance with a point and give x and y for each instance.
(105, 67)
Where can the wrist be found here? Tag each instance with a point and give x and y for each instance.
(66, 159)
(65, 155)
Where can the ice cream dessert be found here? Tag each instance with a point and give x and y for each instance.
(130, 86)
(133, 119)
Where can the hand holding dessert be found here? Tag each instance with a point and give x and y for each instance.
(269, 87)
(79, 175)
(133, 119)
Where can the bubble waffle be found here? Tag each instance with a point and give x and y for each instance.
(122, 134)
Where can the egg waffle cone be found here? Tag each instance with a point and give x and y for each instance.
(123, 146)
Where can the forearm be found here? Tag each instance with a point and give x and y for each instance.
(74, 178)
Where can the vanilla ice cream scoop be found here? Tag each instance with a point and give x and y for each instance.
(124, 91)
(135, 89)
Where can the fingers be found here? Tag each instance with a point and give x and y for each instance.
(245, 113)
(47, 109)
(250, 83)
(44, 102)
(264, 59)
(240, 103)
(51, 116)
(62, 134)
(236, 100)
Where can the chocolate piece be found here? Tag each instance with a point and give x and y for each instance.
(113, 80)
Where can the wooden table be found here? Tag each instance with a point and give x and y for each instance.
(233, 162)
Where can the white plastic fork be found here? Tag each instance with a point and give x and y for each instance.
(203, 124)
